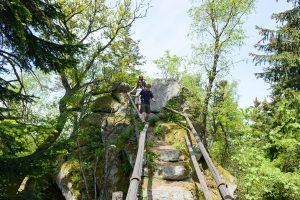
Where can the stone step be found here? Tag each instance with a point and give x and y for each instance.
(175, 171)
(168, 155)
(157, 189)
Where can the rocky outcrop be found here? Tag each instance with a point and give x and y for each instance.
(164, 90)
(64, 179)
(105, 104)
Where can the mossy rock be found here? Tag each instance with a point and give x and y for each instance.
(93, 119)
(172, 133)
(106, 104)
(68, 173)
(122, 98)
(116, 120)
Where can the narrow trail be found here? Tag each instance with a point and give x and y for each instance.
(167, 172)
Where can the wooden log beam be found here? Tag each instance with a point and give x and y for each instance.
(138, 167)
(197, 170)
(221, 184)
(175, 111)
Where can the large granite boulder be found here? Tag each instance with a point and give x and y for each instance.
(64, 179)
(164, 90)
(105, 104)
(121, 87)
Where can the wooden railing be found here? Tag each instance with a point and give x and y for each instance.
(220, 183)
(198, 170)
(138, 166)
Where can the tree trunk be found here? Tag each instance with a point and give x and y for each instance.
(211, 78)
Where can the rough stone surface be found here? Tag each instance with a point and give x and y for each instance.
(122, 98)
(229, 180)
(165, 190)
(130, 151)
(93, 119)
(169, 155)
(163, 90)
(197, 151)
(117, 195)
(106, 104)
(121, 87)
(153, 118)
(172, 172)
(115, 121)
(63, 179)
(171, 193)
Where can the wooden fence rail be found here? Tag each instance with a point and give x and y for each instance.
(220, 183)
(198, 170)
(138, 165)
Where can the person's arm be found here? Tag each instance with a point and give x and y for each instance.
(138, 93)
(131, 91)
(152, 97)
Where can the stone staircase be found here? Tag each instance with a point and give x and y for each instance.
(168, 174)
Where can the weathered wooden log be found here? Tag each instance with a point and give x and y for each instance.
(138, 167)
(136, 109)
(197, 170)
(175, 111)
(221, 184)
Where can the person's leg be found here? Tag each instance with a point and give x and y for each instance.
(143, 111)
(145, 116)
(147, 112)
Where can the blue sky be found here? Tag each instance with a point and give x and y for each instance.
(166, 28)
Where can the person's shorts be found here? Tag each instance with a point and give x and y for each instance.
(137, 100)
(145, 108)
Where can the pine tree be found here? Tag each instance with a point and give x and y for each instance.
(30, 37)
(282, 50)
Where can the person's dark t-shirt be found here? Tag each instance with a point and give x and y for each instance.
(146, 96)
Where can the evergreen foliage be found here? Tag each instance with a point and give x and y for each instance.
(30, 38)
(267, 151)
(282, 50)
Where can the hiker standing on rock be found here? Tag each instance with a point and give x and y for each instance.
(146, 95)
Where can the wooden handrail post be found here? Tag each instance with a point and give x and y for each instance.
(197, 170)
(138, 167)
